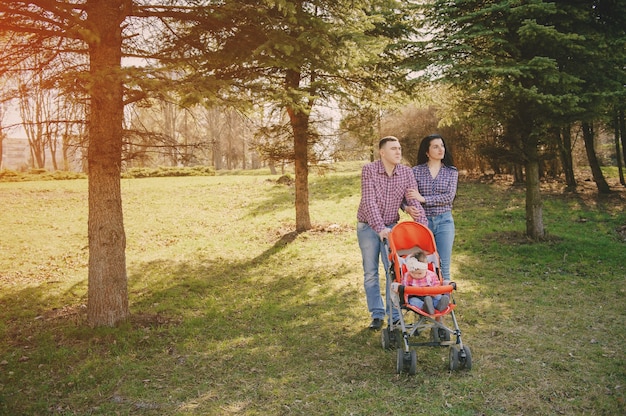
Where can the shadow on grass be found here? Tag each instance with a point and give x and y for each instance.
(213, 332)
(280, 197)
(251, 328)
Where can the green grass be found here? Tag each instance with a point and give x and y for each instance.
(234, 314)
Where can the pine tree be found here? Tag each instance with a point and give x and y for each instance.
(519, 61)
(295, 55)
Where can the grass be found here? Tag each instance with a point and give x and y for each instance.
(234, 314)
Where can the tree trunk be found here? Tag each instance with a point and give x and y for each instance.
(565, 151)
(217, 152)
(622, 133)
(272, 165)
(107, 285)
(64, 151)
(52, 145)
(37, 146)
(534, 205)
(518, 174)
(598, 177)
(620, 152)
(299, 120)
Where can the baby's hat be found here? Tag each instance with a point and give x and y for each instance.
(413, 264)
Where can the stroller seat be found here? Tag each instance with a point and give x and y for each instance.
(405, 291)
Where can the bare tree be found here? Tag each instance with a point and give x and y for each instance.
(33, 105)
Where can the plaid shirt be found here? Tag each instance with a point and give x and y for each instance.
(381, 195)
(440, 191)
(430, 279)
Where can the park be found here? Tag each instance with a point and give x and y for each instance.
(180, 181)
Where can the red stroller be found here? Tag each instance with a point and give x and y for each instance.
(406, 238)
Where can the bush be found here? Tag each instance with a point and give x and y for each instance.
(9, 175)
(165, 171)
(66, 175)
(37, 171)
(39, 175)
(43, 174)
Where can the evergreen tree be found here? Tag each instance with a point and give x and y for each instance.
(518, 61)
(49, 29)
(294, 54)
(102, 31)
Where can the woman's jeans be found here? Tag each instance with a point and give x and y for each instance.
(442, 227)
(372, 249)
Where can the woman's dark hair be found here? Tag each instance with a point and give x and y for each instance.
(425, 145)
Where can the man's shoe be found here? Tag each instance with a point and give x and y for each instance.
(376, 324)
(443, 303)
(428, 305)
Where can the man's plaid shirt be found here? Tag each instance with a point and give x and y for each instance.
(381, 195)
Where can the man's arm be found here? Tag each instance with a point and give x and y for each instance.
(413, 207)
(368, 200)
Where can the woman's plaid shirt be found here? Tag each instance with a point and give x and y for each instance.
(440, 191)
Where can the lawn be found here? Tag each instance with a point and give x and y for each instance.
(235, 314)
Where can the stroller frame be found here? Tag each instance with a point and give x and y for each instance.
(405, 238)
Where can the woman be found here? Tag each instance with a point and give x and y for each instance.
(437, 179)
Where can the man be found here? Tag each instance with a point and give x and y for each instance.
(384, 185)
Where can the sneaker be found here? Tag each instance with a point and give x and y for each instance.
(376, 324)
(443, 303)
(428, 305)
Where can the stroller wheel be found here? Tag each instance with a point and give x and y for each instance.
(399, 361)
(465, 358)
(453, 358)
(413, 363)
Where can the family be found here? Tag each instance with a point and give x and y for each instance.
(425, 192)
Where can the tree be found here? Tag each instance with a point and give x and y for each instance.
(107, 289)
(564, 142)
(510, 56)
(36, 25)
(34, 107)
(162, 133)
(600, 24)
(294, 54)
(102, 30)
(619, 134)
(51, 114)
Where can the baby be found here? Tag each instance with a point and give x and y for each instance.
(418, 275)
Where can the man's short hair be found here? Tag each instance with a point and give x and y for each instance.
(386, 139)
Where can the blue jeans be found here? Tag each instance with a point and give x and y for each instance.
(442, 227)
(372, 249)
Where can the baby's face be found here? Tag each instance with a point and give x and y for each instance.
(418, 274)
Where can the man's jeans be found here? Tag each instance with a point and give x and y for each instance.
(442, 227)
(371, 250)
